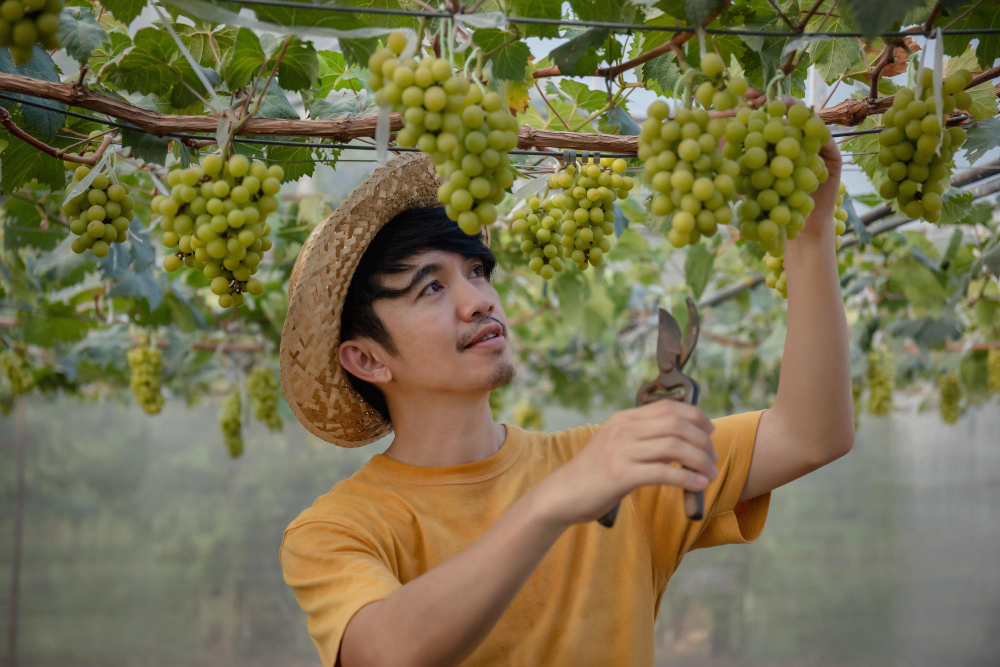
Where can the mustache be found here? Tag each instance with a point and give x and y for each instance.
(467, 339)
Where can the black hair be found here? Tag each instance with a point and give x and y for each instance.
(411, 232)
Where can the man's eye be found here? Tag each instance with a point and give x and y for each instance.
(429, 286)
(479, 267)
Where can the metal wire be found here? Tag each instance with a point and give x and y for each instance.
(610, 25)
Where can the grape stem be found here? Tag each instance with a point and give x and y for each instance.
(12, 127)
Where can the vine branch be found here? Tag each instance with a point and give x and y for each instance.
(12, 127)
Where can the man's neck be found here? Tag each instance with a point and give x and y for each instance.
(443, 432)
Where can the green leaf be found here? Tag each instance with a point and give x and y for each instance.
(663, 72)
(619, 118)
(920, 285)
(39, 67)
(578, 56)
(581, 94)
(22, 162)
(545, 9)
(334, 73)
(348, 106)
(603, 10)
(140, 285)
(991, 259)
(276, 105)
(56, 324)
(206, 44)
(510, 61)
(182, 96)
(698, 268)
(146, 146)
(855, 223)
(981, 139)
(299, 67)
(835, 57)
(864, 145)
(875, 18)
(80, 33)
(245, 60)
(985, 15)
(928, 331)
(296, 161)
(124, 10)
(954, 206)
(22, 226)
(698, 10)
(144, 69)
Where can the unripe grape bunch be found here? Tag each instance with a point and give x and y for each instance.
(262, 387)
(881, 382)
(17, 371)
(24, 23)
(776, 264)
(950, 397)
(576, 222)
(993, 371)
(100, 215)
(145, 364)
(916, 150)
(231, 423)
(466, 132)
(777, 148)
(215, 218)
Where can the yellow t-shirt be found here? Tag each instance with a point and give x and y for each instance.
(593, 598)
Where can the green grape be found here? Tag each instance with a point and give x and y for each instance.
(145, 363)
(18, 373)
(214, 217)
(881, 382)
(528, 416)
(950, 397)
(89, 211)
(574, 221)
(917, 152)
(24, 23)
(231, 423)
(993, 371)
(262, 387)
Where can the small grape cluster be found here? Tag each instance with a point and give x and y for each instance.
(950, 397)
(993, 371)
(262, 387)
(98, 216)
(717, 92)
(17, 371)
(528, 416)
(466, 132)
(575, 224)
(881, 382)
(777, 149)
(145, 364)
(776, 263)
(916, 150)
(24, 23)
(215, 218)
(231, 423)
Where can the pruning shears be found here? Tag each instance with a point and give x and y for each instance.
(672, 352)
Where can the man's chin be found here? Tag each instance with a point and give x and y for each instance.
(502, 375)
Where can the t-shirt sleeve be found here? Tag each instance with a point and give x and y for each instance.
(727, 521)
(334, 572)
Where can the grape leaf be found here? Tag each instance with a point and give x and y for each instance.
(928, 331)
(698, 10)
(619, 119)
(137, 284)
(983, 138)
(80, 33)
(295, 160)
(124, 10)
(877, 17)
(207, 45)
(57, 323)
(23, 226)
(348, 106)
(698, 268)
(146, 146)
(298, 70)
(985, 15)
(603, 10)
(334, 73)
(855, 223)
(578, 56)
(23, 162)
(545, 9)
(39, 67)
(299, 67)
(144, 69)
(244, 61)
(954, 205)
(662, 72)
(835, 57)
(276, 105)
(581, 94)
(510, 61)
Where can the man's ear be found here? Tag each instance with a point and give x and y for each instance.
(359, 358)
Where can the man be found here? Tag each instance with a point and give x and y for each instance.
(475, 543)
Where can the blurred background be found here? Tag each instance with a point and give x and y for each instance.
(142, 543)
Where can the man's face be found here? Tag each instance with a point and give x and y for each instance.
(439, 326)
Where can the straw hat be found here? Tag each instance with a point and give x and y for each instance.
(315, 384)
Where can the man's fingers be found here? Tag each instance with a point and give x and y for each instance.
(666, 407)
(674, 449)
(651, 429)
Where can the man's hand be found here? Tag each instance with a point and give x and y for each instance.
(820, 221)
(634, 448)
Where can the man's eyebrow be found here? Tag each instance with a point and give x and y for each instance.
(418, 275)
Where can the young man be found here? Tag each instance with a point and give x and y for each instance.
(476, 543)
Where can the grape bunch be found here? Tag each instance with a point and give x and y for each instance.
(262, 387)
(17, 371)
(776, 263)
(777, 149)
(24, 23)
(231, 423)
(881, 382)
(215, 218)
(717, 92)
(145, 364)
(466, 133)
(950, 395)
(99, 215)
(685, 167)
(916, 150)
(993, 371)
(575, 224)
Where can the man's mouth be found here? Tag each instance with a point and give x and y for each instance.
(491, 335)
